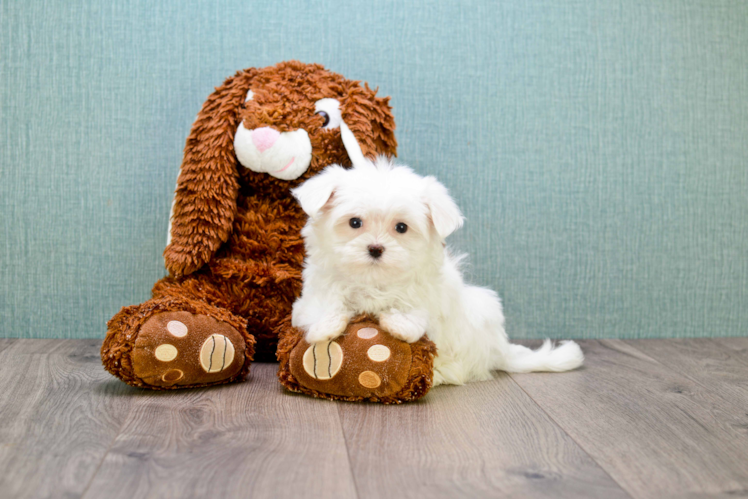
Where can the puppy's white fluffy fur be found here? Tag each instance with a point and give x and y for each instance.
(415, 286)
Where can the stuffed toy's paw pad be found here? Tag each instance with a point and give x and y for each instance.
(323, 360)
(180, 348)
(365, 363)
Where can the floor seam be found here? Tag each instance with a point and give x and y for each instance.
(347, 451)
(681, 373)
(106, 453)
(602, 468)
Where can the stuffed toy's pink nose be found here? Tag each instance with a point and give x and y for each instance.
(264, 138)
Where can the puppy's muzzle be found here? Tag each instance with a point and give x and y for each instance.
(376, 251)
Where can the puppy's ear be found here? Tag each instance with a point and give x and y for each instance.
(317, 191)
(445, 214)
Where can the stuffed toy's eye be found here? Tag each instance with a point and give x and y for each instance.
(401, 227)
(355, 223)
(329, 109)
(325, 117)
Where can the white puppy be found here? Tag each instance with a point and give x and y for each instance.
(375, 244)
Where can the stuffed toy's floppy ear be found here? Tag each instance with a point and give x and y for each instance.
(445, 214)
(370, 120)
(317, 191)
(205, 198)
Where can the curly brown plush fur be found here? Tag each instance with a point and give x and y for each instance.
(236, 253)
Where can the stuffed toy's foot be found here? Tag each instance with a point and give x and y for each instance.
(364, 364)
(151, 347)
(179, 348)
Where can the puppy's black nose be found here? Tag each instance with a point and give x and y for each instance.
(376, 251)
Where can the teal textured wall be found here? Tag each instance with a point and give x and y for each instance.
(599, 149)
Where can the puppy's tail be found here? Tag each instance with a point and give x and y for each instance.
(548, 358)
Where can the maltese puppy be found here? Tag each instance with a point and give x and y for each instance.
(375, 244)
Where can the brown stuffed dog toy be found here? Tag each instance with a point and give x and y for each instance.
(235, 254)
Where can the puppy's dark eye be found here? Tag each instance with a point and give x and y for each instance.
(325, 117)
(355, 223)
(401, 227)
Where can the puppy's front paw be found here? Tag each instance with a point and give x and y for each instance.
(407, 327)
(328, 328)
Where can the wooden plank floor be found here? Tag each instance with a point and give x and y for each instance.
(645, 418)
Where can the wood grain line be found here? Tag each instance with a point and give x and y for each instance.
(707, 362)
(6, 343)
(737, 345)
(250, 439)
(656, 432)
(60, 410)
(486, 439)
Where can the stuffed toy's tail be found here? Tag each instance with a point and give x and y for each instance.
(548, 358)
